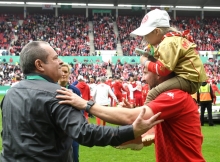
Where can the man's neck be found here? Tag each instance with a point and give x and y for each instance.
(38, 75)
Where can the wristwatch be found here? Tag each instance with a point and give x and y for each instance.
(90, 103)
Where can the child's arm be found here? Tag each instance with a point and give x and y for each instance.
(158, 68)
(155, 67)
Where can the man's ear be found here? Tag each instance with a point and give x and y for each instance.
(39, 65)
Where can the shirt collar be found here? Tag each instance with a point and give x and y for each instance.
(35, 76)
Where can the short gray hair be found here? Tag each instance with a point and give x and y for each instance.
(30, 53)
(103, 79)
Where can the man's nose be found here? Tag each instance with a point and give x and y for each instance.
(60, 61)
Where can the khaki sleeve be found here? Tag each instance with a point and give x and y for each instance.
(168, 54)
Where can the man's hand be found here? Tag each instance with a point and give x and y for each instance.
(125, 104)
(70, 98)
(140, 126)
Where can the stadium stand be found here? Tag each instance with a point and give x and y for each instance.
(104, 36)
(68, 34)
(126, 24)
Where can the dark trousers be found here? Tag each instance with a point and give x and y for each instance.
(204, 105)
(75, 154)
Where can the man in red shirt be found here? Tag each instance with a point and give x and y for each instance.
(178, 138)
(215, 89)
(85, 91)
(118, 88)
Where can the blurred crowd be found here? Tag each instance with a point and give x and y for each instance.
(127, 24)
(9, 72)
(69, 36)
(104, 36)
(205, 33)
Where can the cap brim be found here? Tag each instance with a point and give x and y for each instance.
(142, 31)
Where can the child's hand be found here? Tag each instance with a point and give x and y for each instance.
(149, 50)
(141, 52)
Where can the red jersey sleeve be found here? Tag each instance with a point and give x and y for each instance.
(158, 68)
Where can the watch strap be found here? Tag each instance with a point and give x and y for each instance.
(87, 108)
(89, 105)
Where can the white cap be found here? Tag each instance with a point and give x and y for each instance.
(80, 77)
(153, 19)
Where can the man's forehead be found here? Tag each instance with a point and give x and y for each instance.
(145, 70)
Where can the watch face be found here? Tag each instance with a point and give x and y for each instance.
(91, 103)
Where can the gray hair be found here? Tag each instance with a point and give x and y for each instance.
(103, 79)
(30, 53)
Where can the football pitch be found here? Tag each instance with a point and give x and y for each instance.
(210, 149)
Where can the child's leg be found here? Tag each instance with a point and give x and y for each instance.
(173, 83)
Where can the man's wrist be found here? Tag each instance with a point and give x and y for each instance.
(89, 105)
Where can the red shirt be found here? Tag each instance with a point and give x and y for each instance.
(215, 89)
(84, 89)
(118, 88)
(179, 137)
(109, 82)
(134, 85)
